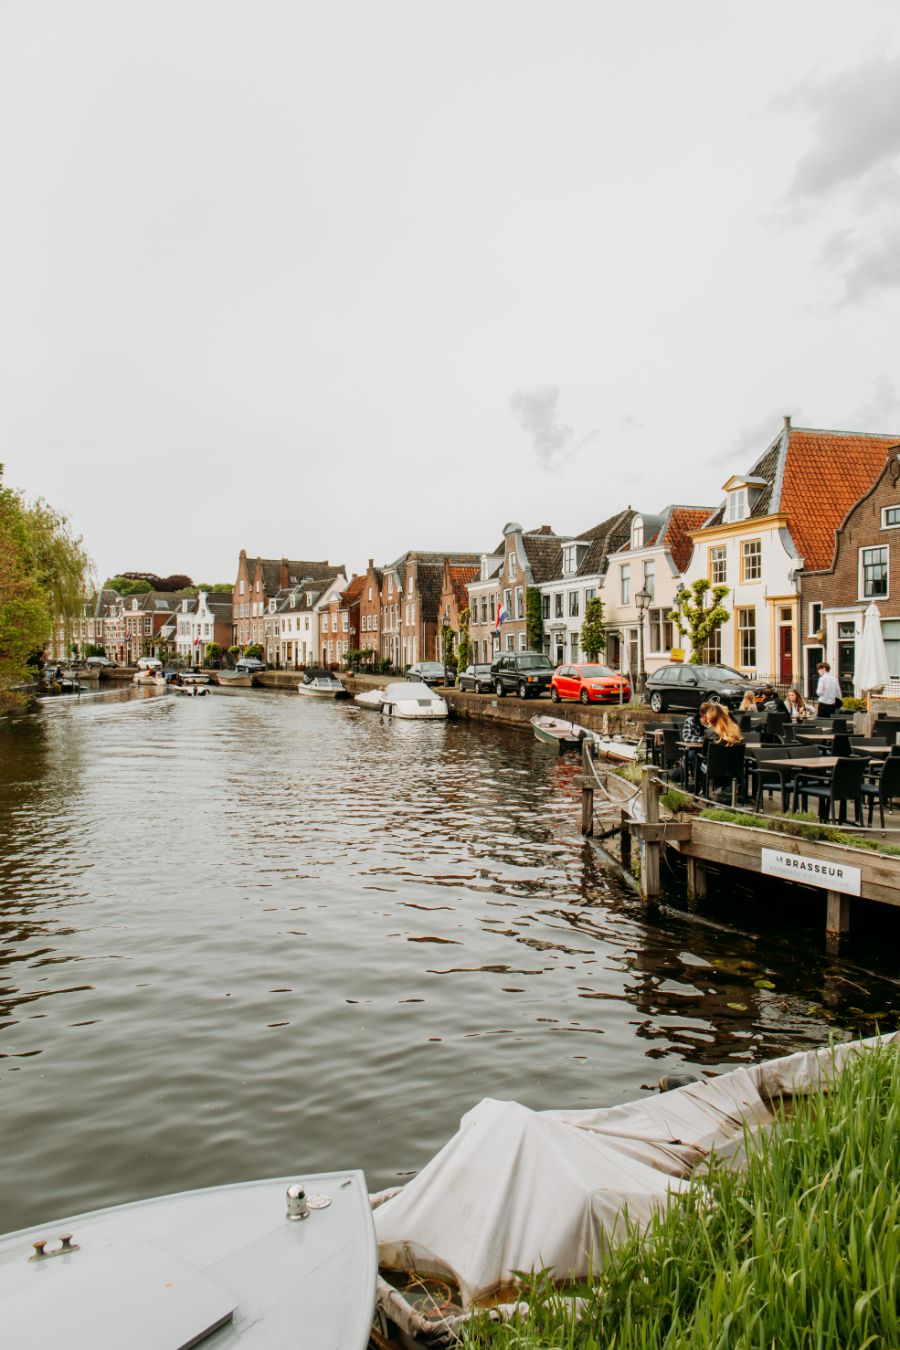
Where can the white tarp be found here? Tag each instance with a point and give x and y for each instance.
(516, 1189)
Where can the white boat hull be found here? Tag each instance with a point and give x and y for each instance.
(164, 1273)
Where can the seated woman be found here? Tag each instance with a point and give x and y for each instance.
(724, 729)
(798, 708)
(748, 702)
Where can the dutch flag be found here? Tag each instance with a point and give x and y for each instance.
(502, 615)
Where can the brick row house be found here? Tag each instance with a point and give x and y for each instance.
(410, 605)
(135, 625)
(370, 613)
(497, 596)
(258, 582)
(454, 600)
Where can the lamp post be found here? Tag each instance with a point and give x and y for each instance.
(642, 601)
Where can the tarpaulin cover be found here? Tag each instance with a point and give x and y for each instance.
(517, 1189)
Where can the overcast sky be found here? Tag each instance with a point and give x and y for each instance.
(343, 279)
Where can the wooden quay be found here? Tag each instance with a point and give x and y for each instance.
(844, 873)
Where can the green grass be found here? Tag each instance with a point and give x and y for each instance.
(800, 826)
(801, 1249)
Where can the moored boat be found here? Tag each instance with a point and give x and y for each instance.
(151, 677)
(271, 1263)
(191, 690)
(371, 699)
(616, 748)
(412, 699)
(319, 683)
(555, 731)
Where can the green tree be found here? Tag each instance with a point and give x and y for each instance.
(233, 656)
(463, 646)
(448, 642)
(698, 612)
(213, 658)
(534, 620)
(127, 586)
(25, 613)
(593, 630)
(254, 651)
(59, 563)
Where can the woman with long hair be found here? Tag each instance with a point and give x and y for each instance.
(797, 706)
(748, 702)
(720, 721)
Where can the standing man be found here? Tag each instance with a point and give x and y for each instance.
(828, 692)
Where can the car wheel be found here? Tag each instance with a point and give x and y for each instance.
(554, 694)
(710, 698)
(498, 688)
(585, 696)
(657, 703)
(522, 689)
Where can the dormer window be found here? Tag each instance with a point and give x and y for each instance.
(271, 606)
(512, 564)
(637, 532)
(738, 504)
(570, 560)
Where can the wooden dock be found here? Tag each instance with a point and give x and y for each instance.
(844, 873)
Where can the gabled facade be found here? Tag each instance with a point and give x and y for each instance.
(454, 599)
(652, 561)
(134, 623)
(258, 582)
(412, 594)
(198, 621)
(777, 521)
(579, 575)
(484, 598)
(89, 629)
(528, 558)
(292, 639)
(864, 569)
(370, 610)
(333, 622)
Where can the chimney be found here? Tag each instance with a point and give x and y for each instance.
(371, 563)
(284, 573)
(787, 422)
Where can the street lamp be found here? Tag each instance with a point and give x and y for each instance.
(642, 600)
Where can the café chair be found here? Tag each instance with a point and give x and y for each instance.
(885, 789)
(844, 784)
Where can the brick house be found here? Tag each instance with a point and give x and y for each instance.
(258, 581)
(776, 522)
(528, 558)
(370, 610)
(864, 568)
(484, 597)
(88, 629)
(454, 599)
(575, 574)
(135, 623)
(410, 605)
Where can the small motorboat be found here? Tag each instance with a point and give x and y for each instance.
(319, 683)
(151, 677)
(371, 699)
(616, 748)
(189, 687)
(194, 677)
(412, 699)
(270, 1263)
(555, 731)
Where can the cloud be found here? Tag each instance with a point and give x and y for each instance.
(856, 129)
(751, 441)
(876, 264)
(883, 408)
(554, 444)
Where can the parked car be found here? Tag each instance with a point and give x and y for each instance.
(477, 679)
(249, 665)
(150, 663)
(527, 674)
(686, 686)
(590, 683)
(98, 662)
(429, 672)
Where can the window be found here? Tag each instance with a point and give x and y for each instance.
(873, 567)
(545, 607)
(570, 560)
(717, 568)
(815, 617)
(522, 642)
(573, 604)
(509, 642)
(890, 629)
(590, 594)
(520, 603)
(712, 653)
(738, 504)
(242, 586)
(625, 585)
(661, 631)
(650, 578)
(484, 609)
(558, 605)
(637, 532)
(746, 627)
(507, 602)
(890, 518)
(573, 646)
(751, 559)
(511, 573)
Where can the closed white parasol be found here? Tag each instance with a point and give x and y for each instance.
(871, 657)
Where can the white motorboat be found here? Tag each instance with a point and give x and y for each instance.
(191, 690)
(616, 748)
(412, 699)
(259, 1264)
(371, 699)
(151, 677)
(194, 677)
(318, 683)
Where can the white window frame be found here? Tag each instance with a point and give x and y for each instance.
(893, 524)
(745, 544)
(738, 504)
(886, 594)
(625, 584)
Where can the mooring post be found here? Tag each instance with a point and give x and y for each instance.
(696, 881)
(650, 848)
(587, 789)
(625, 841)
(837, 919)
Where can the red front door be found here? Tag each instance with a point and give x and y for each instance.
(785, 655)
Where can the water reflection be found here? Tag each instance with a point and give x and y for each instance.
(244, 935)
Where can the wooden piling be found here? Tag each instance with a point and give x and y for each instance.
(837, 919)
(650, 848)
(625, 841)
(587, 790)
(696, 881)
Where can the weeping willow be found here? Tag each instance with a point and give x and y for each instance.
(59, 562)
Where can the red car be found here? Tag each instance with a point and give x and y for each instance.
(590, 683)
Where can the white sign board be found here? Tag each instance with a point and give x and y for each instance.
(832, 876)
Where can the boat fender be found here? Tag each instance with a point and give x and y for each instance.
(670, 1081)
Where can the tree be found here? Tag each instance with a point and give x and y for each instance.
(448, 640)
(534, 620)
(233, 654)
(254, 651)
(463, 647)
(25, 601)
(593, 630)
(127, 586)
(213, 658)
(696, 619)
(59, 563)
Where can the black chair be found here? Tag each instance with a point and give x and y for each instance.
(773, 727)
(670, 755)
(886, 789)
(844, 784)
(752, 738)
(840, 746)
(839, 724)
(723, 764)
(761, 778)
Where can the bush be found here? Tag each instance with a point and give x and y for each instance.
(854, 705)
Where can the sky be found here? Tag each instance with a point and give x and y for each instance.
(341, 280)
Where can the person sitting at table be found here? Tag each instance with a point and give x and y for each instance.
(770, 701)
(724, 729)
(798, 708)
(748, 702)
(695, 730)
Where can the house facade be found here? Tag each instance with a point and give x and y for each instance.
(411, 598)
(484, 598)
(370, 601)
(578, 574)
(200, 620)
(453, 601)
(777, 521)
(497, 596)
(864, 569)
(258, 582)
(134, 624)
(656, 554)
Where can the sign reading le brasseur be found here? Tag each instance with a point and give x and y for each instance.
(832, 876)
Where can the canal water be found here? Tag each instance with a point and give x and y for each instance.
(248, 935)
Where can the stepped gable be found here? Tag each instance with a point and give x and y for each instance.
(609, 536)
(825, 474)
(354, 591)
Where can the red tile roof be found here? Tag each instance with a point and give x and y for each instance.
(354, 590)
(825, 473)
(459, 580)
(681, 521)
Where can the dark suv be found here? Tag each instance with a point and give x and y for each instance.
(527, 674)
(685, 686)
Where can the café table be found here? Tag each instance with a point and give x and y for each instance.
(686, 747)
(822, 764)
